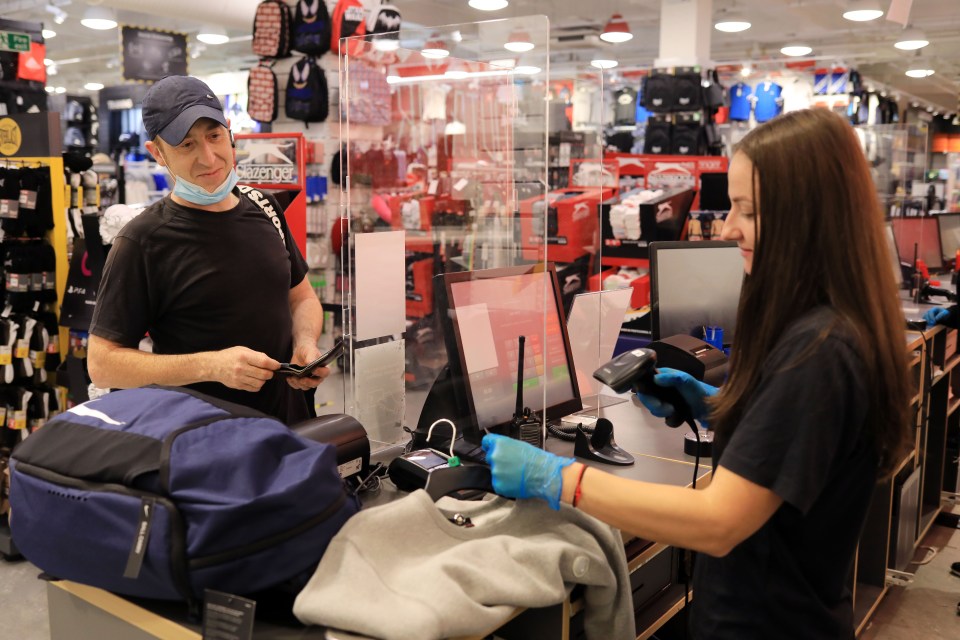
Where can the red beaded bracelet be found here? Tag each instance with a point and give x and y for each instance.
(577, 490)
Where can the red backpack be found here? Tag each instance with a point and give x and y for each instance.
(271, 29)
(349, 19)
(262, 92)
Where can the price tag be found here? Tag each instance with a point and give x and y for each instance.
(18, 282)
(38, 358)
(23, 349)
(36, 282)
(17, 420)
(227, 617)
(49, 280)
(28, 199)
(6, 355)
(9, 209)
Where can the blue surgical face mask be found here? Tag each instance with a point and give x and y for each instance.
(200, 196)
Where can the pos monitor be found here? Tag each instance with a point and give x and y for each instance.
(694, 285)
(484, 313)
(921, 234)
(949, 226)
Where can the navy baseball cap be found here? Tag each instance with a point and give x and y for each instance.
(172, 105)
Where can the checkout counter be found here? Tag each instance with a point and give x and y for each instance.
(80, 612)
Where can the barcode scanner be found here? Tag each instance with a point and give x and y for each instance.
(634, 370)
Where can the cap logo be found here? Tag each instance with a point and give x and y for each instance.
(209, 97)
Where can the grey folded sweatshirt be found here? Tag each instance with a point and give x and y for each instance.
(403, 570)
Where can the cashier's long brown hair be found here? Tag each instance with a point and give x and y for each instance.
(820, 242)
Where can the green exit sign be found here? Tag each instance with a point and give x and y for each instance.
(13, 41)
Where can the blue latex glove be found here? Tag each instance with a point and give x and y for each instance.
(521, 470)
(935, 316)
(692, 390)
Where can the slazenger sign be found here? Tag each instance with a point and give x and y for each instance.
(266, 173)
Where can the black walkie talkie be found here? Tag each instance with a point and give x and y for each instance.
(526, 423)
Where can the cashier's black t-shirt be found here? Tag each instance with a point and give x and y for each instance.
(803, 437)
(205, 281)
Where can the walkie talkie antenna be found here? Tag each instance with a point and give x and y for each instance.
(519, 412)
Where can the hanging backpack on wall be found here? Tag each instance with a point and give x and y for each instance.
(271, 29)
(263, 92)
(349, 19)
(306, 96)
(311, 28)
(163, 492)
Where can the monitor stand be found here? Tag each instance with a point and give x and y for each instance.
(441, 402)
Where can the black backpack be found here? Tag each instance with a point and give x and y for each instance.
(271, 29)
(262, 92)
(311, 27)
(306, 97)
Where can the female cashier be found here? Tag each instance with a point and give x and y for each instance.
(814, 410)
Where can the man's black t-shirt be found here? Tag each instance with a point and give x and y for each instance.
(203, 281)
(802, 436)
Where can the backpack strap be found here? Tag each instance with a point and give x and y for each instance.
(263, 203)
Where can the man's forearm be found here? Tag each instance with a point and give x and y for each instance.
(307, 321)
(125, 368)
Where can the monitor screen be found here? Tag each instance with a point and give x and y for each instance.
(924, 232)
(485, 314)
(695, 285)
(949, 224)
(894, 254)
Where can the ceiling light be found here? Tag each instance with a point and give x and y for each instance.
(527, 70)
(911, 40)
(386, 44)
(731, 22)
(745, 71)
(98, 18)
(59, 15)
(49, 33)
(47, 62)
(519, 41)
(863, 11)
(435, 49)
(616, 30)
(914, 104)
(455, 128)
(936, 113)
(795, 50)
(929, 109)
(601, 63)
(50, 89)
(919, 71)
(213, 35)
(93, 86)
(60, 90)
(488, 5)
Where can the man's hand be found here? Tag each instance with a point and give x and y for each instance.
(242, 368)
(305, 354)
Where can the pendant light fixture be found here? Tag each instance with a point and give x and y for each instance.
(603, 63)
(488, 5)
(616, 30)
(213, 35)
(731, 21)
(435, 49)
(863, 11)
(911, 40)
(519, 41)
(796, 50)
(99, 19)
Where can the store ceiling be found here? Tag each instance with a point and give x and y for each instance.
(575, 25)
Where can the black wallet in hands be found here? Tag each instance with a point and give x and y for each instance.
(287, 369)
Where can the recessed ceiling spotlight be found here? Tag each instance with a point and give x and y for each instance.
(863, 11)
(49, 33)
(93, 86)
(519, 41)
(795, 50)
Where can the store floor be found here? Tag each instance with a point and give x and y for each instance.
(924, 610)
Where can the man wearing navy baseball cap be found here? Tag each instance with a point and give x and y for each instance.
(210, 271)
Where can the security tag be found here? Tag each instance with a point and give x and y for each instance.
(28, 199)
(227, 617)
(142, 536)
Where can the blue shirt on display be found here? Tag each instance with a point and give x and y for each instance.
(740, 101)
(768, 103)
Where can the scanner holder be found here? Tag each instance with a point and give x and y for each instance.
(600, 446)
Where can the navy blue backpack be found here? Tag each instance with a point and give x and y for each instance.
(162, 492)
